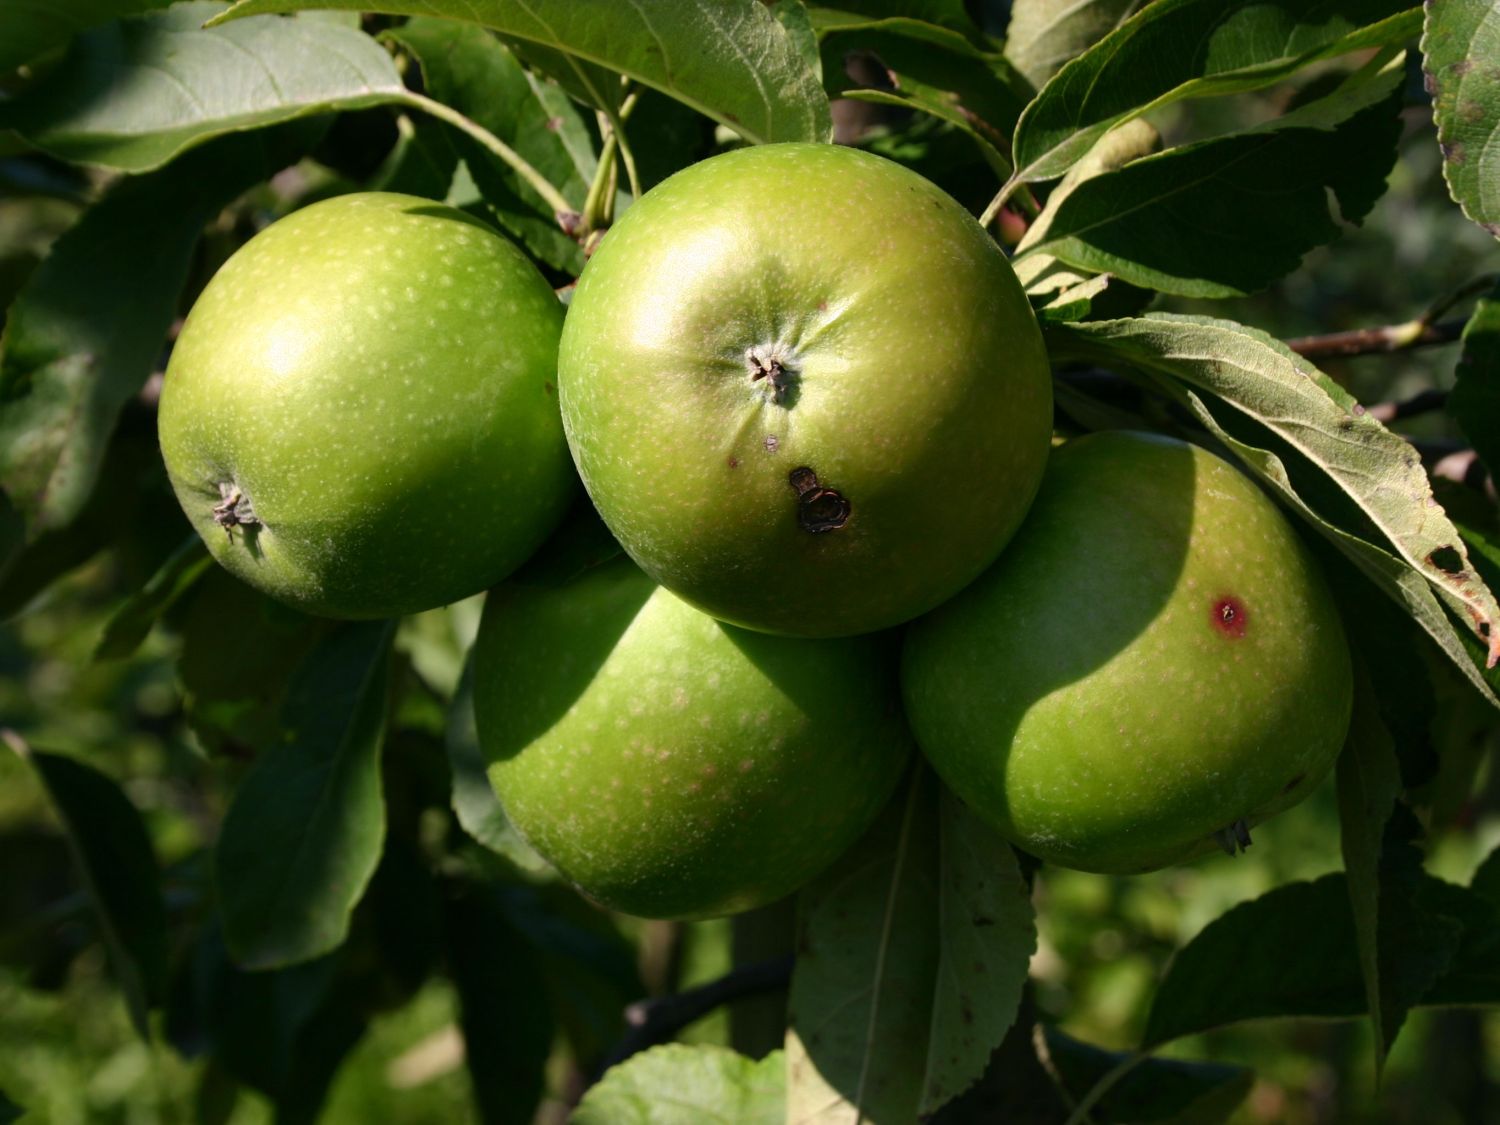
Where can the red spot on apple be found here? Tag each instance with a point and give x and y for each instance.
(1229, 616)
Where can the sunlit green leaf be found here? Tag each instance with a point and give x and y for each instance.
(136, 93)
(686, 1085)
(1176, 49)
(729, 59)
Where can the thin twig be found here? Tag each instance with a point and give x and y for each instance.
(543, 186)
(657, 1019)
(1378, 341)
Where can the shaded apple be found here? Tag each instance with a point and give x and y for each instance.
(1154, 665)
(670, 765)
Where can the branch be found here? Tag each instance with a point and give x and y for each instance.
(1378, 341)
(1423, 402)
(658, 1019)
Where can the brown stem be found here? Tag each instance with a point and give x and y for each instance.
(1377, 341)
(656, 1020)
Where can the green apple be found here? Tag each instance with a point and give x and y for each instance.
(360, 415)
(1153, 666)
(672, 766)
(805, 390)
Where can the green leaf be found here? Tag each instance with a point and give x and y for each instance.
(136, 93)
(862, 989)
(1486, 880)
(1460, 43)
(1228, 216)
(113, 851)
(474, 802)
(1176, 49)
(30, 30)
(1402, 948)
(1287, 953)
(1042, 273)
(90, 323)
(506, 1015)
(913, 953)
(728, 59)
(305, 829)
(987, 933)
(1372, 467)
(679, 1084)
(951, 14)
(1165, 1090)
(466, 67)
(1044, 34)
(423, 161)
(933, 69)
(1475, 401)
(130, 624)
(283, 1032)
(240, 651)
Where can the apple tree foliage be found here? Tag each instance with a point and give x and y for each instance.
(355, 850)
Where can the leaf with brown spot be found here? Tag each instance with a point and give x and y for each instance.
(1461, 58)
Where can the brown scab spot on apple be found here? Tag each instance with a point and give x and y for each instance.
(734, 462)
(819, 509)
(1292, 784)
(1229, 616)
(772, 443)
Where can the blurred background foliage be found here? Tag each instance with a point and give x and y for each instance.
(67, 1050)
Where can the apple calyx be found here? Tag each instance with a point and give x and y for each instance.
(234, 509)
(774, 364)
(1235, 838)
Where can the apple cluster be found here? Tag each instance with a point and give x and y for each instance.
(808, 397)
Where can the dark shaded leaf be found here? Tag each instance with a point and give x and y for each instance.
(134, 94)
(1403, 948)
(1292, 952)
(1171, 1090)
(113, 852)
(282, 1032)
(1175, 49)
(679, 1084)
(506, 1016)
(29, 30)
(129, 625)
(240, 651)
(1229, 216)
(1486, 880)
(729, 59)
(1460, 43)
(90, 323)
(1475, 401)
(932, 69)
(304, 832)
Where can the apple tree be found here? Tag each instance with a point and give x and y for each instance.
(253, 864)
